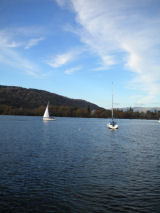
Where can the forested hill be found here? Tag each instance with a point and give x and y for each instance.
(21, 101)
(17, 97)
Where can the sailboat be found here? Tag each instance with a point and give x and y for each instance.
(46, 116)
(112, 124)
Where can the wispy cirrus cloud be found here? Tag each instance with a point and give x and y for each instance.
(7, 41)
(9, 55)
(60, 60)
(63, 59)
(61, 2)
(32, 42)
(26, 37)
(25, 31)
(14, 59)
(72, 70)
(124, 32)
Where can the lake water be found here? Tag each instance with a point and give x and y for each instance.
(77, 165)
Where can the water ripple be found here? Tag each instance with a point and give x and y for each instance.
(77, 165)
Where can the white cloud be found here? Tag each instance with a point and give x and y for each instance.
(72, 70)
(32, 42)
(25, 31)
(14, 44)
(108, 60)
(114, 29)
(7, 42)
(62, 59)
(10, 56)
(61, 2)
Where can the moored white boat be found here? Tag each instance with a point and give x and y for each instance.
(112, 124)
(46, 116)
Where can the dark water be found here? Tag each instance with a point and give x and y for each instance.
(78, 165)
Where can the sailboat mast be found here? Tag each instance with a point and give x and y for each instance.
(112, 101)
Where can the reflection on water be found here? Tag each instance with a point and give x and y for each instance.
(78, 165)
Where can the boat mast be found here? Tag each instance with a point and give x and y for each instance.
(112, 101)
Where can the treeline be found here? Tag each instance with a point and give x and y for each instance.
(61, 111)
(67, 111)
(130, 114)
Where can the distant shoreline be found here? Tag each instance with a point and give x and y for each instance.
(32, 102)
(138, 118)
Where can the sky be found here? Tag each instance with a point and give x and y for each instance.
(77, 48)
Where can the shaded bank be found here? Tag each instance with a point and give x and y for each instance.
(67, 111)
(22, 101)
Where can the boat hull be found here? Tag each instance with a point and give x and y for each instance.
(49, 119)
(110, 126)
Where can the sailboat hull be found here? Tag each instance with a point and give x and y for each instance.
(49, 119)
(110, 126)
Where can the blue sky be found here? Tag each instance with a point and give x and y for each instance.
(76, 48)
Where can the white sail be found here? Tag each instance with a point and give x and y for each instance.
(46, 116)
(46, 113)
